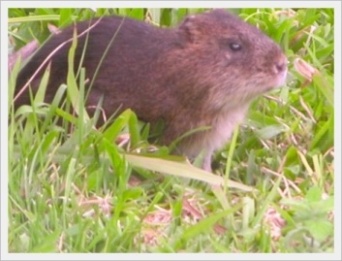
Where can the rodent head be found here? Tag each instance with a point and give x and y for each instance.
(240, 61)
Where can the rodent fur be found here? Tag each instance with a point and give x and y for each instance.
(205, 72)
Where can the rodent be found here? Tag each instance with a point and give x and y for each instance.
(205, 72)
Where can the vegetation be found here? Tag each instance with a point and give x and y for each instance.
(75, 188)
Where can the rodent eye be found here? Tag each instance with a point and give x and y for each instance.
(231, 44)
(235, 46)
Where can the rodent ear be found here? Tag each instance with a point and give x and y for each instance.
(190, 28)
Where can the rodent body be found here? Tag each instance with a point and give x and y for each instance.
(203, 73)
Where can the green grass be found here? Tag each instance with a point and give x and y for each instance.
(87, 190)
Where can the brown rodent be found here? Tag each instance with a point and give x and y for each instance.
(203, 73)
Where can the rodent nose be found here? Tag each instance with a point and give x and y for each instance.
(281, 66)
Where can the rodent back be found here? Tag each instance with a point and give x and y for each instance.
(127, 67)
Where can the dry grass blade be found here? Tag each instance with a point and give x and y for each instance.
(181, 168)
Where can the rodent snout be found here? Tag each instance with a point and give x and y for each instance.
(281, 65)
(280, 70)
